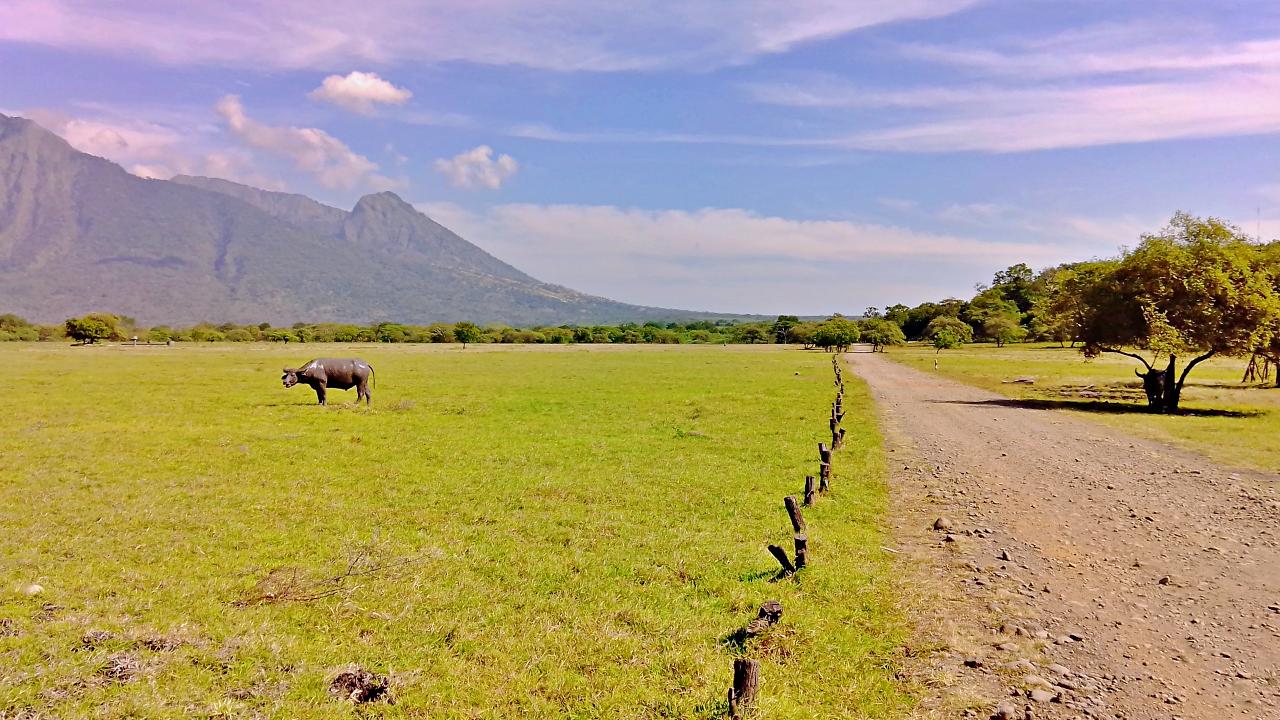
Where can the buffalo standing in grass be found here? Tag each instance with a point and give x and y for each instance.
(337, 373)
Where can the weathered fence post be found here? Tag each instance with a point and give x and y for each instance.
(793, 510)
(746, 682)
(824, 453)
(824, 477)
(781, 556)
(841, 437)
(808, 489)
(770, 613)
(835, 440)
(802, 550)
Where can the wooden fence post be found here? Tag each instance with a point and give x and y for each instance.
(746, 682)
(802, 550)
(824, 453)
(824, 477)
(808, 489)
(770, 613)
(793, 510)
(781, 556)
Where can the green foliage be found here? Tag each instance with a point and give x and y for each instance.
(837, 333)
(92, 328)
(881, 333)
(782, 328)
(1003, 329)
(960, 331)
(945, 338)
(1198, 288)
(465, 332)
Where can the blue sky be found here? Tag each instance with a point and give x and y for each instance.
(804, 156)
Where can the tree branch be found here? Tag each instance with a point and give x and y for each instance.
(1193, 363)
(1118, 351)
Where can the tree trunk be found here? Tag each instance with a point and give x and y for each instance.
(1173, 390)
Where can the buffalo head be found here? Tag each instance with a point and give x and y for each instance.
(290, 377)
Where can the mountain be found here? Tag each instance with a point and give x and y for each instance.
(79, 234)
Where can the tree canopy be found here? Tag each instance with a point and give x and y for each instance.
(1198, 288)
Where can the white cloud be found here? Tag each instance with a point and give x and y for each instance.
(733, 259)
(310, 149)
(477, 168)
(149, 149)
(359, 92)
(1070, 90)
(569, 35)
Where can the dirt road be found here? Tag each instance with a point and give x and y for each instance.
(1085, 573)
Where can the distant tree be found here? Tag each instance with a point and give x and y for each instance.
(752, 334)
(959, 329)
(837, 334)
(1003, 329)
(782, 328)
(804, 333)
(881, 333)
(1200, 287)
(986, 305)
(945, 339)
(1016, 284)
(918, 318)
(897, 314)
(465, 332)
(88, 329)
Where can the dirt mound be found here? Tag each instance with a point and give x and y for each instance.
(358, 685)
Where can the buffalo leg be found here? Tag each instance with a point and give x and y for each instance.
(320, 394)
(363, 389)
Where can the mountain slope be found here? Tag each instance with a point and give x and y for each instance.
(78, 233)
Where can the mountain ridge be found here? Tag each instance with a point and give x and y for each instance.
(79, 234)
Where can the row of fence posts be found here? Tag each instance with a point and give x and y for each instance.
(746, 671)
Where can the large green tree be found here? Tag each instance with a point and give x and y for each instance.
(837, 334)
(96, 326)
(881, 333)
(1197, 289)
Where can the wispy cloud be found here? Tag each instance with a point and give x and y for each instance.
(310, 149)
(150, 149)
(1075, 89)
(359, 92)
(564, 35)
(478, 169)
(727, 258)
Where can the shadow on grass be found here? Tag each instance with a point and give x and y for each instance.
(1098, 406)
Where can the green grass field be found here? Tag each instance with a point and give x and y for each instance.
(514, 532)
(1234, 423)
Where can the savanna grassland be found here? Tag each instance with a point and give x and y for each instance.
(1229, 421)
(508, 532)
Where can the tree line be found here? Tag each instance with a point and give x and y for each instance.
(834, 332)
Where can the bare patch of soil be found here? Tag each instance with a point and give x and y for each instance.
(357, 685)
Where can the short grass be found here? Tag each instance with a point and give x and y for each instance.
(520, 532)
(1226, 420)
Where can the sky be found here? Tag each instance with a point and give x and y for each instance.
(805, 156)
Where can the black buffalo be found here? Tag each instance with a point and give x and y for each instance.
(337, 373)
